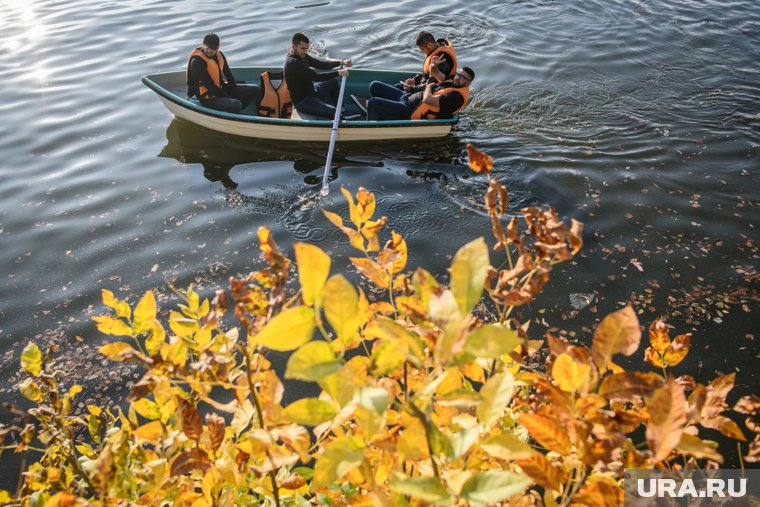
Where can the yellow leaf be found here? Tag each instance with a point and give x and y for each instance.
(61, 499)
(495, 396)
(618, 333)
(338, 458)
(120, 307)
(505, 446)
(5, 497)
(388, 356)
(658, 336)
(288, 330)
(309, 412)
(181, 325)
(354, 236)
(569, 374)
(365, 204)
(492, 341)
(150, 432)
(313, 268)
(145, 313)
(113, 351)
(342, 307)
(398, 245)
(110, 325)
(31, 359)
(352, 211)
(177, 353)
(146, 408)
(210, 480)
(370, 230)
(700, 449)
(156, 339)
(312, 361)
(468, 274)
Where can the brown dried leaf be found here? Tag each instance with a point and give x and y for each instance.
(618, 333)
(215, 425)
(749, 405)
(630, 385)
(187, 461)
(667, 418)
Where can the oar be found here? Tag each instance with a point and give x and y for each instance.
(325, 183)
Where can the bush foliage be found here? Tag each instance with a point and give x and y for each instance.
(431, 394)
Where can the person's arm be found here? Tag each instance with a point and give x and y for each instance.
(319, 63)
(439, 68)
(228, 74)
(198, 68)
(447, 103)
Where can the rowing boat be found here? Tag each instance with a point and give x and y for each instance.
(171, 88)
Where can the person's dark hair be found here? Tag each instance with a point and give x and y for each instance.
(211, 40)
(470, 72)
(298, 38)
(424, 37)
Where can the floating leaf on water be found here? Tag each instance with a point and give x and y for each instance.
(580, 301)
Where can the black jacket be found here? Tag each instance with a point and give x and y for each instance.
(300, 77)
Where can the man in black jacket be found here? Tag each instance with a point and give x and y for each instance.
(210, 79)
(300, 78)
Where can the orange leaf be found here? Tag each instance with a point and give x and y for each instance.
(479, 161)
(191, 419)
(547, 432)
(215, 425)
(372, 270)
(667, 417)
(630, 385)
(599, 493)
(618, 333)
(150, 432)
(659, 336)
(365, 204)
(542, 471)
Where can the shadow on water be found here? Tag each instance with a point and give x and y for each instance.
(219, 154)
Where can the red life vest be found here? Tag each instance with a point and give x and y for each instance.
(444, 46)
(213, 66)
(425, 111)
(275, 102)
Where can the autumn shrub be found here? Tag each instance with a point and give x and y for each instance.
(431, 394)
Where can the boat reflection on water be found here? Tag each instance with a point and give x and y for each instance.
(219, 153)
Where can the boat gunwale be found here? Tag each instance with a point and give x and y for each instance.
(148, 81)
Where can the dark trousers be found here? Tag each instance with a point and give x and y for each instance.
(239, 97)
(387, 103)
(315, 106)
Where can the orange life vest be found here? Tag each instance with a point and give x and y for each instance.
(214, 68)
(444, 46)
(425, 111)
(275, 102)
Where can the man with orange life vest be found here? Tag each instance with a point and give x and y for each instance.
(307, 87)
(210, 79)
(443, 51)
(437, 100)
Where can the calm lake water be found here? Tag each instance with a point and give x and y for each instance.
(639, 118)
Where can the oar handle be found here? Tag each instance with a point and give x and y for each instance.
(338, 107)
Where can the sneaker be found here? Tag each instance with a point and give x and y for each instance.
(360, 103)
(349, 117)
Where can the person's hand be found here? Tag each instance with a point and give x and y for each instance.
(346, 63)
(343, 72)
(409, 82)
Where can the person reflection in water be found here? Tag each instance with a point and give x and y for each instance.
(221, 173)
(210, 79)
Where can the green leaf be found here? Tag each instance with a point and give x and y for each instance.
(468, 274)
(339, 457)
(313, 268)
(342, 307)
(492, 341)
(507, 447)
(31, 359)
(427, 489)
(495, 395)
(312, 362)
(309, 411)
(288, 330)
(493, 487)
(145, 313)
